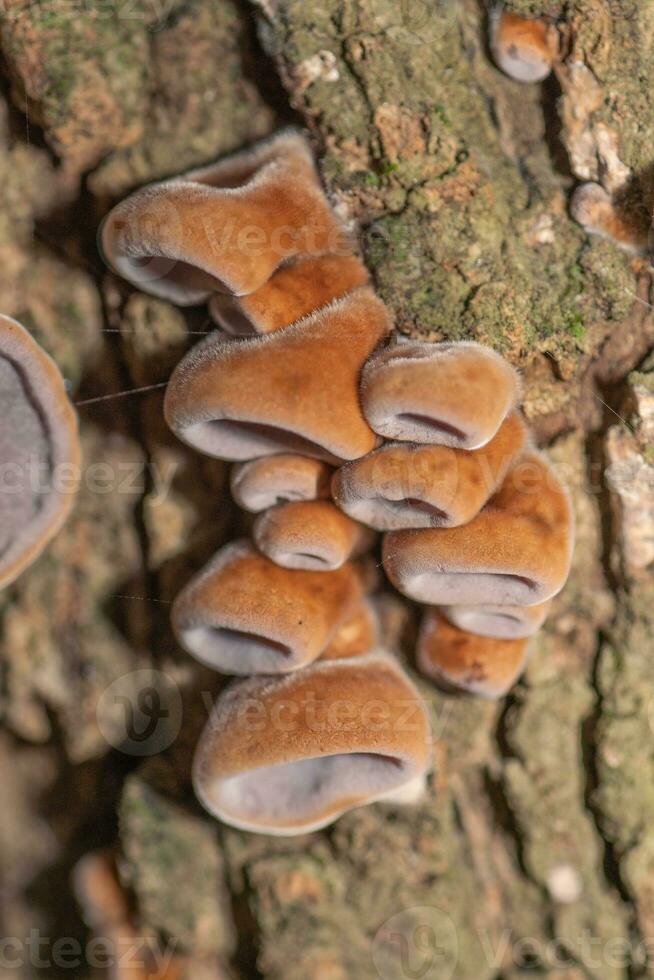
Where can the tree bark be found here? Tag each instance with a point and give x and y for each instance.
(533, 853)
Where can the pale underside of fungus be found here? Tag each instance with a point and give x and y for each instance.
(412, 485)
(261, 483)
(311, 534)
(446, 394)
(516, 551)
(39, 450)
(502, 622)
(279, 755)
(524, 48)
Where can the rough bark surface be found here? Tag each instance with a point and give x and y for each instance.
(533, 853)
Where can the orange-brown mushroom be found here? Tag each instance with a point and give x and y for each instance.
(502, 622)
(405, 485)
(226, 227)
(594, 209)
(293, 292)
(449, 394)
(243, 614)
(525, 48)
(289, 755)
(462, 661)
(39, 450)
(359, 634)
(293, 390)
(311, 534)
(261, 483)
(516, 552)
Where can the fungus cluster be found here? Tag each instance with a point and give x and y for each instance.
(39, 450)
(336, 430)
(478, 526)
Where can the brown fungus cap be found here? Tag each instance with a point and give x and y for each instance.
(517, 551)
(311, 534)
(39, 450)
(524, 48)
(259, 484)
(502, 622)
(294, 291)
(358, 634)
(289, 755)
(594, 209)
(479, 665)
(452, 394)
(223, 228)
(293, 390)
(406, 485)
(243, 614)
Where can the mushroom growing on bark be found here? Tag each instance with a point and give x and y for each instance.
(296, 389)
(293, 292)
(358, 634)
(405, 485)
(450, 394)
(481, 665)
(594, 209)
(502, 622)
(312, 534)
(243, 614)
(261, 483)
(39, 450)
(223, 228)
(525, 48)
(289, 755)
(296, 382)
(516, 552)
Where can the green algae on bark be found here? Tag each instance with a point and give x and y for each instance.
(176, 871)
(463, 240)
